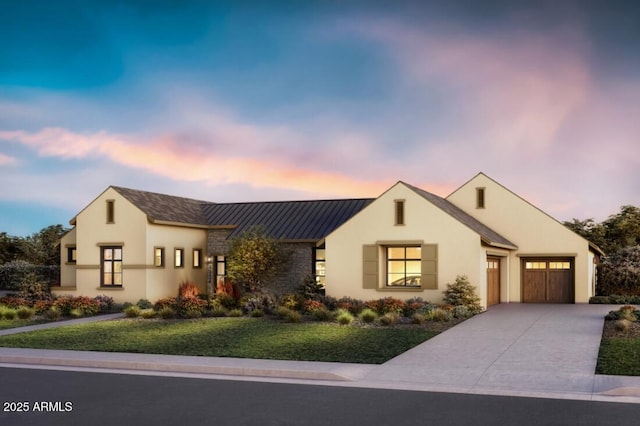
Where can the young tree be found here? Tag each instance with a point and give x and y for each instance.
(42, 248)
(254, 257)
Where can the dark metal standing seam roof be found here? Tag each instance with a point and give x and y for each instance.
(288, 220)
(483, 230)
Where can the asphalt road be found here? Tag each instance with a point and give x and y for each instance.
(48, 397)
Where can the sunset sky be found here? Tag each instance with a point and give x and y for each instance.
(281, 100)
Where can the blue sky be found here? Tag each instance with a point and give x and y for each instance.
(243, 101)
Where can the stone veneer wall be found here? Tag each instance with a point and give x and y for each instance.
(300, 263)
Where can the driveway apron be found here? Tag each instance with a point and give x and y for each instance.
(512, 347)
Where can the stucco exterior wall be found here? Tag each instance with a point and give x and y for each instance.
(67, 269)
(459, 248)
(164, 281)
(533, 231)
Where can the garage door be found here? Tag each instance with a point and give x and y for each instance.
(547, 280)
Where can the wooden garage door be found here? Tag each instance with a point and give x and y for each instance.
(547, 280)
(493, 280)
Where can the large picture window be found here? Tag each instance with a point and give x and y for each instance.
(111, 266)
(404, 266)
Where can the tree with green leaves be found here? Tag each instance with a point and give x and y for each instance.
(42, 248)
(254, 258)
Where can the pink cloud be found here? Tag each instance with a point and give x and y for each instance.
(166, 156)
(6, 160)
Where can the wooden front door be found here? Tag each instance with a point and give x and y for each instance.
(547, 280)
(493, 280)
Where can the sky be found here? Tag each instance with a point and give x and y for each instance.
(283, 100)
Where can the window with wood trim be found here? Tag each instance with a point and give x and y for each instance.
(319, 265)
(399, 212)
(197, 258)
(401, 266)
(71, 254)
(111, 211)
(480, 198)
(111, 266)
(221, 269)
(178, 258)
(404, 266)
(158, 257)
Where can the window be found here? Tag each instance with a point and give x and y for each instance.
(559, 265)
(71, 255)
(480, 198)
(399, 212)
(111, 266)
(111, 212)
(158, 257)
(404, 266)
(319, 264)
(178, 257)
(535, 265)
(197, 258)
(221, 269)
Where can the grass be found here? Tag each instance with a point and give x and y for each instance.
(619, 356)
(230, 337)
(5, 324)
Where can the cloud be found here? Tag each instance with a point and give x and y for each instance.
(6, 160)
(170, 157)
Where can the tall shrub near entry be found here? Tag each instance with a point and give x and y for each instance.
(620, 273)
(462, 293)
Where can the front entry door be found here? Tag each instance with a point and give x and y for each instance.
(493, 280)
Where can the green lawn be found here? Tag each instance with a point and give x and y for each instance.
(4, 323)
(619, 356)
(230, 337)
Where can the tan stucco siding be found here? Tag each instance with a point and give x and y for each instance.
(164, 281)
(459, 249)
(533, 231)
(67, 269)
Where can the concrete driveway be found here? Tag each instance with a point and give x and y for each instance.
(528, 349)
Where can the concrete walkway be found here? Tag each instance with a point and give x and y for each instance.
(516, 349)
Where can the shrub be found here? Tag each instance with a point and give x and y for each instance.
(167, 312)
(105, 303)
(622, 325)
(13, 302)
(461, 311)
(439, 314)
(85, 304)
(352, 305)
(389, 304)
(76, 313)
(235, 313)
(225, 300)
(167, 302)
(462, 293)
(330, 302)
(218, 311)
(12, 274)
(7, 313)
(293, 316)
(190, 307)
(42, 306)
(32, 287)
(188, 289)
(257, 313)
(53, 314)
(282, 312)
(412, 306)
(322, 314)
(344, 317)
(390, 318)
(132, 311)
(367, 315)
(310, 306)
(418, 319)
(24, 312)
(144, 304)
(257, 301)
(310, 288)
(599, 300)
(228, 288)
(148, 313)
(290, 301)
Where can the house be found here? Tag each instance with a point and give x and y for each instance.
(132, 244)
(406, 243)
(411, 243)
